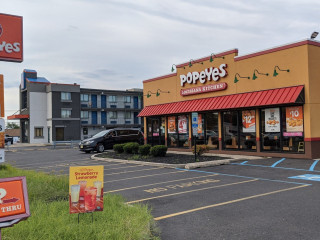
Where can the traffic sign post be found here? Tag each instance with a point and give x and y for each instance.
(194, 117)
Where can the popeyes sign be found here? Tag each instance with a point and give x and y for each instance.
(209, 74)
(11, 39)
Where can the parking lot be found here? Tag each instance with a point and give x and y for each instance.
(270, 198)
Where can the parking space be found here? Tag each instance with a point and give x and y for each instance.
(248, 199)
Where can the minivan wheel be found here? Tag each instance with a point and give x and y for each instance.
(100, 148)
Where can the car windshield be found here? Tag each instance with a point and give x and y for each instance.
(101, 134)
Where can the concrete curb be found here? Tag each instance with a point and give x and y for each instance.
(166, 165)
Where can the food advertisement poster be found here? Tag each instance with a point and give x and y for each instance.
(14, 202)
(182, 124)
(294, 119)
(172, 125)
(200, 124)
(85, 189)
(249, 121)
(272, 119)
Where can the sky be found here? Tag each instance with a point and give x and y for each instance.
(116, 44)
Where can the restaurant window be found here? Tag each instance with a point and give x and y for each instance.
(183, 131)
(270, 129)
(201, 130)
(248, 130)
(239, 130)
(172, 132)
(212, 130)
(292, 129)
(230, 129)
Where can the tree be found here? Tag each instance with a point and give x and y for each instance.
(12, 125)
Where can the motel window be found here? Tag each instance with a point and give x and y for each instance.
(38, 132)
(127, 115)
(84, 97)
(113, 115)
(65, 113)
(112, 99)
(127, 99)
(65, 96)
(84, 114)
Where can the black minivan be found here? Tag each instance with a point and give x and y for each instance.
(107, 138)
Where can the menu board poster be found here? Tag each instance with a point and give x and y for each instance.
(86, 189)
(272, 119)
(172, 125)
(182, 124)
(200, 124)
(294, 119)
(249, 121)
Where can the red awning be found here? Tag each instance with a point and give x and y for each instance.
(242, 100)
(18, 116)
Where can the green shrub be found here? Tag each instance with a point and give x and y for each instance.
(201, 149)
(118, 148)
(159, 151)
(144, 149)
(131, 147)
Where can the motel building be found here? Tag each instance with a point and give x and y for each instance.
(265, 103)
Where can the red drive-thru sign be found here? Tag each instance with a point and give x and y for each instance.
(11, 38)
(14, 203)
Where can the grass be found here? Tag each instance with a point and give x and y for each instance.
(50, 218)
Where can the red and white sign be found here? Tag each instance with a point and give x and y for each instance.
(11, 38)
(204, 89)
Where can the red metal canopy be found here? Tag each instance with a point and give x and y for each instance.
(242, 100)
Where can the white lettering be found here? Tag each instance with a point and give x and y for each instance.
(195, 76)
(223, 71)
(11, 208)
(183, 79)
(202, 77)
(16, 47)
(208, 73)
(215, 74)
(8, 47)
(189, 77)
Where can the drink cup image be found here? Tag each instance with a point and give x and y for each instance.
(90, 195)
(75, 193)
(83, 185)
(98, 186)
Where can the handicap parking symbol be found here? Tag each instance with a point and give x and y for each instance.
(309, 177)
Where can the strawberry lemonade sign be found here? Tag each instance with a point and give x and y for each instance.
(86, 189)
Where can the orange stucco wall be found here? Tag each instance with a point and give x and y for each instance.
(302, 58)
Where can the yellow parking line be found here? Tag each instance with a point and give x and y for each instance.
(133, 171)
(123, 189)
(144, 176)
(228, 202)
(195, 190)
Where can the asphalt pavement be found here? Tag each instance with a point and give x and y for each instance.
(266, 198)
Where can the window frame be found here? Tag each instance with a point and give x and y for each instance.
(65, 96)
(82, 97)
(67, 110)
(36, 135)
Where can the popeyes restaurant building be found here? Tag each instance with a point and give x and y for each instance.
(265, 103)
